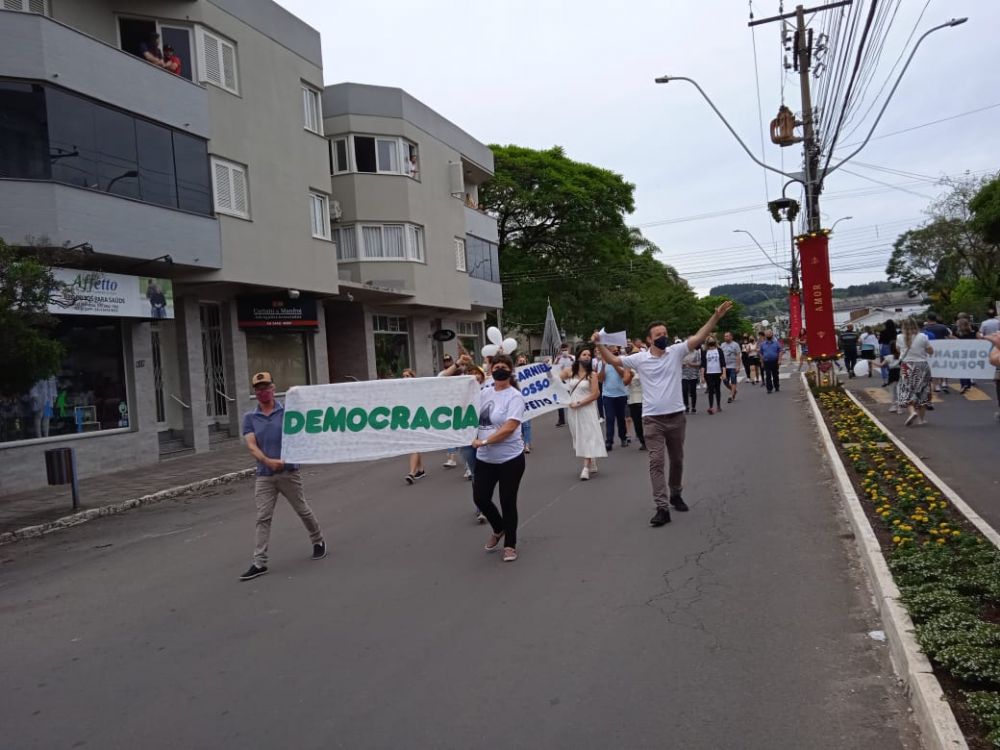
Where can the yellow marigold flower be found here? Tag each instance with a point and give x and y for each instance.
(956, 533)
(940, 540)
(896, 539)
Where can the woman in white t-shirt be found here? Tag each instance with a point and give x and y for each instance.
(500, 455)
(914, 371)
(713, 364)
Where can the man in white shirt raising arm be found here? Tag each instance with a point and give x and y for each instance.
(663, 420)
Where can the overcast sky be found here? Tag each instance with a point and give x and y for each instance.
(580, 75)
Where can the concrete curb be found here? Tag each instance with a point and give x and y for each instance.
(75, 519)
(953, 497)
(930, 707)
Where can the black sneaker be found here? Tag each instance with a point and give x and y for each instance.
(662, 517)
(642, 446)
(625, 443)
(610, 447)
(420, 474)
(319, 551)
(253, 572)
(678, 502)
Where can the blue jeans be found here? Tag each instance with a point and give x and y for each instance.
(885, 350)
(469, 458)
(614, 412)
(526, 432)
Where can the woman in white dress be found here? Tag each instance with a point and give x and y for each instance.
(588, 442)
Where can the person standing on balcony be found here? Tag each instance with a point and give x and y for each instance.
(171, 61)
(150, 50)
(262, 430)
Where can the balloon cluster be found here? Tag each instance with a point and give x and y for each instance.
(498, 345)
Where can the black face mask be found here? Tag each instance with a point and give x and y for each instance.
(501, 375)
(661, 342)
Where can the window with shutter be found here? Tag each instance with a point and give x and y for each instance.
(217, 60)
(460, 255)
(229, 185)
(27, 6)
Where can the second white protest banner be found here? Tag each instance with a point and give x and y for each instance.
(961, 358)
(542, 389)
(378, 418)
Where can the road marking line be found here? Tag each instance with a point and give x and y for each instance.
(975, 394)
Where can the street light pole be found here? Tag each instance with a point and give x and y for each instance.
(842, 218)
(772, 262)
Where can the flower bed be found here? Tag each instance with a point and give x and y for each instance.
(947, 573)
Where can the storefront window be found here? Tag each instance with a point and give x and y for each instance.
(392, 346)
(88, 394)
(468, 336)
(284, 355)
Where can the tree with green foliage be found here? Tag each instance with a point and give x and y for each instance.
(27, 286)
(563, 238)
(957, 243)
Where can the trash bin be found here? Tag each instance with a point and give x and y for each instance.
(59, 465)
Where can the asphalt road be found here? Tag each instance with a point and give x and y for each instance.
(960, 442)
(743, 624)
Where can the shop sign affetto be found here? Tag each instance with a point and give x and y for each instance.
(112, 294)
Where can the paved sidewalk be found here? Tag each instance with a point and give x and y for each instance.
(960, 442)
(50, 503)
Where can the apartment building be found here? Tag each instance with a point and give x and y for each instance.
(191, 191)
(417, 258)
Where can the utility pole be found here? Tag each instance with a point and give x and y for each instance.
(803, 54)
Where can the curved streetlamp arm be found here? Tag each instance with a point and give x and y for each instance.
(744, 231)
(842, 162)
(667, 79)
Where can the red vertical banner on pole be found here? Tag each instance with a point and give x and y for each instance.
(794, 318)
(817, 289)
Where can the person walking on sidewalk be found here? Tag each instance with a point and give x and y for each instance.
(690, 375)
(663, 420)
(963, 330)
(584, 428)
(915, 371)
(713, 364)
(262, 428)
(615, 397)
(563, 361)
(500, 455)
(849, 347)
(770, 356)
(886, 340)
(732, 352)
(869, 348)
(634, 384)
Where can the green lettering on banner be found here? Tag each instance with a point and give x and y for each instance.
(400, 418)
(471, 417)
(335, 420)
(294, 422)
(439, 414)
(420, 420)
(456, 419)
(378, 418)
(314, 420)
(357, 418)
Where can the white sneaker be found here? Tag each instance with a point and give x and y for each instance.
(593, 466)
(468, 473)
(450, 463)
(585, 474)
(894, 410)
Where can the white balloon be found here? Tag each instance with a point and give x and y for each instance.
(490, 350)
(509, 345)
(861, 368)
(494, 335)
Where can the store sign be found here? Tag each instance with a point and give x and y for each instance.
(817, 290)
(378, 419)
(112, 294)
(277, 311)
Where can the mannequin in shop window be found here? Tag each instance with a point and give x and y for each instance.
(42, 398)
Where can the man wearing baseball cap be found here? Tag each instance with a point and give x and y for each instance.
(262, 430)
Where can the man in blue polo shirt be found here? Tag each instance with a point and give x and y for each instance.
(615, 395)
(262, 430)
(770, 357)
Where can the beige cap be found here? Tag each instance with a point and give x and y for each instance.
(261, 377)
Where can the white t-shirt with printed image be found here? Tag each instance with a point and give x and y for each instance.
(495, 408)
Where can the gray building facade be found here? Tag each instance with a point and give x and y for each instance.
(415, 253)
(189, 194)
